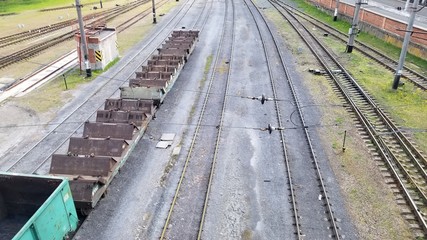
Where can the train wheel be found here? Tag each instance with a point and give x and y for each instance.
(85, 211)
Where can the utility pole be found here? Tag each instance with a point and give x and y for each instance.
(353, 31)
(407, 5)
(100, 3)
(405, 44)
(336, 10)
(154, 12)
(83, 39)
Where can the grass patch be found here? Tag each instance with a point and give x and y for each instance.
(407, 105)
(343, 26)
(247, 234)
(208, 64)
(54, 94)
(131, 36)
(206, 70)
(339, 120)
(75, 78)
(112, 63)
(7, 6)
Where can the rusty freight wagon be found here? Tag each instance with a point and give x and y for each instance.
(92, 161)
(158, 77)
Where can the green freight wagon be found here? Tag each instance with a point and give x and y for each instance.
(35, 207)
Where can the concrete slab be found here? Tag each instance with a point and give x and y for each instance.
(176, 151)
(45, 74)
(163, 144)
(167, 136)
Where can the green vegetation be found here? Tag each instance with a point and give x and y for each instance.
(247, 234)
(407, 105)
(208, 64)
(7, 6)
(206, 70)
(52, 95)
(385, 47)
(75, 78)
(112, 63)
(368, 200)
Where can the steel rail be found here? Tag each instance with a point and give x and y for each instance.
(198, 126)
(392, 126)
(218, 138)
(125, 25)
(397, 169)
(120, 28)
(94, 93)
(328, 205)
(16, 83)
(420, 80)
(22, 36)
(81, 124)
(278, 115)
(36, 49)
(408, 147)
(32, 51)
(48, 28)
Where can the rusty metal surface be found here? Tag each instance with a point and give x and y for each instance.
(24, 195)
(189, 41)
(145, 106)
(161, 83)
(112, 116)
(83, 193)
(105, 116)
(175, 63)
(174, 51)
(177, 44)
(155, 94)
(154, 75)
(108, 130)
(113, 104)
(168, 57)
(159, 68)
(89, 166)
(96, 147)
(142, 105)
(179, 33)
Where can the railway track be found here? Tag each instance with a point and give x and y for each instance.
(175, 218)
(404, 162)
(59, 135)
(219, 81)
(26, 35)
(271, 55)
(39, 77)
(128, 23)
(411, 75)
(120, 28)
(295, 217)
(38, 48)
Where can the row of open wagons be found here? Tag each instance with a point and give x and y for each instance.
(85, 171)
